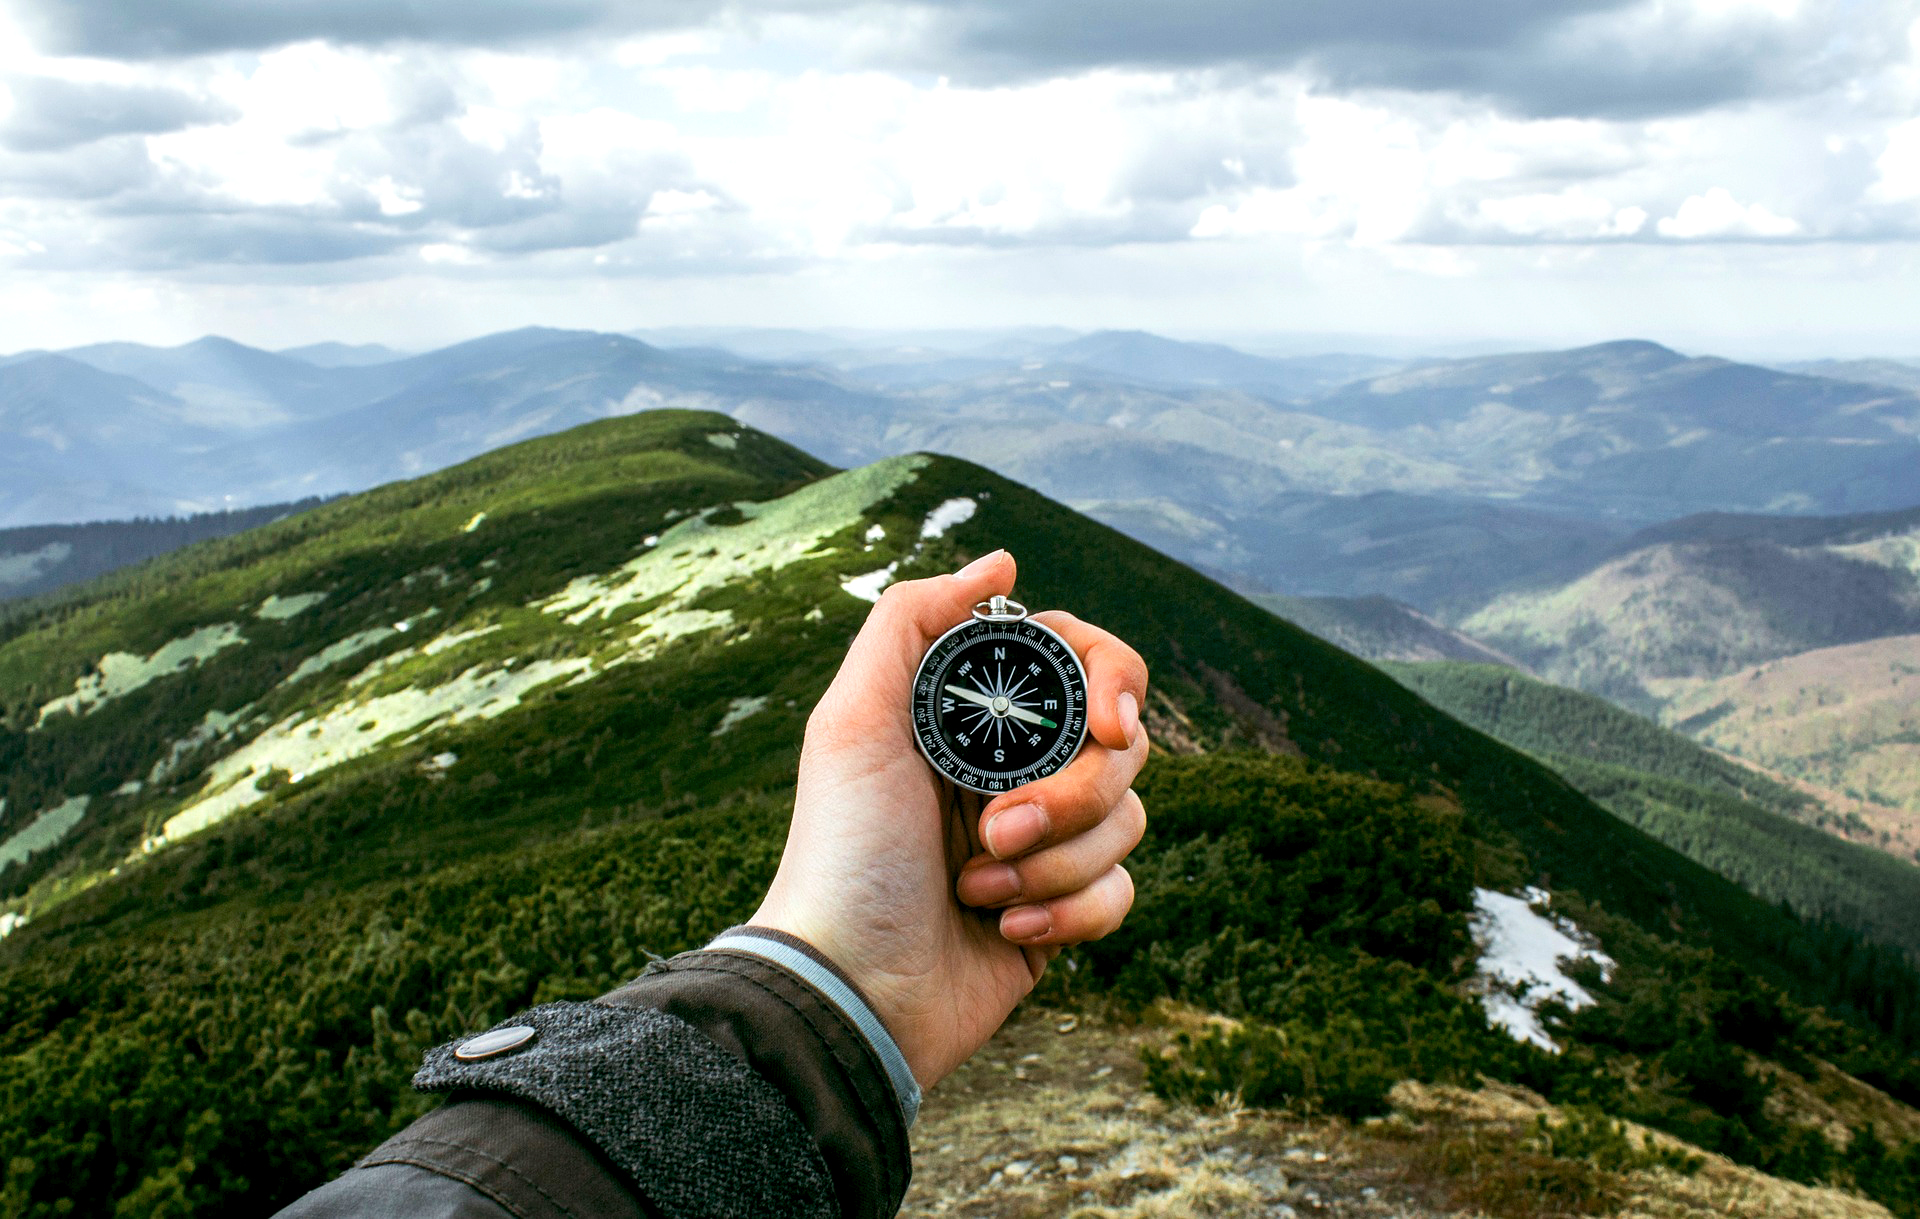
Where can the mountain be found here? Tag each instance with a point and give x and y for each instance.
(285, 807)
(1447, 481)
(1707, 597)
(79, 441)
(1380, 628)
(343, 355)
(1844, 717)
(224, 384)
(1140, 356)
(1636, 429)
(38, 559)
(1894, 374)
(1718, 813)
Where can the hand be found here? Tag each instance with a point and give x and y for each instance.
(881, 856)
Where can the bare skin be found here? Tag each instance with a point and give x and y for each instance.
(943, 912)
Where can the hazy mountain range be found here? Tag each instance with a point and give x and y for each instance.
(1436, 482)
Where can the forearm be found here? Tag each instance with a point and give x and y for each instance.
(718, 1083)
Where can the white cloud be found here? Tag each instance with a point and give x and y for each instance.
(1718, 214)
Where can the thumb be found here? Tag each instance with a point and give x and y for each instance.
(912, 614)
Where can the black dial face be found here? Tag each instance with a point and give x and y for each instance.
(998, 704)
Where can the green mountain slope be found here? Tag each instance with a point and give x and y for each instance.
(1715, 812)
(1722, 595)
(285, 807)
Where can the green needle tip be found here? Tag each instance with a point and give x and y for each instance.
(1045, 722)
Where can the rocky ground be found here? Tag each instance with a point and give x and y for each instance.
(1050, 1119)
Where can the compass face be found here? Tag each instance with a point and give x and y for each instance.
(999, 704)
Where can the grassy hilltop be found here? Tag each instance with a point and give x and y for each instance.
(303, 801)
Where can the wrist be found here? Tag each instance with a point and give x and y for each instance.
(797, 955)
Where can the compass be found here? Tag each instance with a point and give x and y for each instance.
(999, 700)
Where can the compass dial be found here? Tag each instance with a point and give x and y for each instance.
(999, 704)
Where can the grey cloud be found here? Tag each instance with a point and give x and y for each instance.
(51, 114)
(1536, 57)
(139, 29)
(97, 171)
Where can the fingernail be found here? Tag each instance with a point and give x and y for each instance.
(981, 564)
(1129, 715)
(1025, 923)
(1013, 830)
(989, 885)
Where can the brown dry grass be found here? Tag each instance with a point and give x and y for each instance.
(1045, 1122)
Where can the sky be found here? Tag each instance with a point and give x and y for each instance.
(1739, 176)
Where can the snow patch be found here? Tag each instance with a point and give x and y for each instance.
(302, 748)
(722, 440)
(1520, 961)
(739, 709)
(695, 556)
(278, 609)
(10, 923)
(132, 787)
(43, 831)
(440, 763)
(876, 533)
(947, 515)
(120, 673)
(473, 524)
(870, 586)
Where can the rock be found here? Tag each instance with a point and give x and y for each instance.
(1067, 1164)
(1018, 1169)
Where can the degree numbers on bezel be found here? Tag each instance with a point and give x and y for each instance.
(999, 704)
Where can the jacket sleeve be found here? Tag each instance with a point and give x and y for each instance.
(750, 1078)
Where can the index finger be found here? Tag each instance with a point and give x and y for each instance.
(1113, 669)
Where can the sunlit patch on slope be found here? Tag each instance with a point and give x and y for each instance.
(278, 609)
(43, 831)
(299, 747)
(696, 556)
(1520, 962)
(211, 728)
(722, 440)
(120, 673)
(338, 651)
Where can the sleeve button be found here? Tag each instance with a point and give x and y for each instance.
(495, 1043)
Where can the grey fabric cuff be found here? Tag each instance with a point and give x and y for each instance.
(698, 1133)
(810, 966)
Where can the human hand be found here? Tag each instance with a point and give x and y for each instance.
(879, 849)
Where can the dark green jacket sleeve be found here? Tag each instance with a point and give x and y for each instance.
(719, 1083)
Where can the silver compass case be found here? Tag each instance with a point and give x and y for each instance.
(999, 701)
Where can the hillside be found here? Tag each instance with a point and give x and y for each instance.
(1379, 628)
(1718, 813)
(1842, 717)
(1724, 594)
(40, 558)
(419, 756)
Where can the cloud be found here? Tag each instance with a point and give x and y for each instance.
(1717, 214)
(140, 29)
(51, 113)
(1619, 58)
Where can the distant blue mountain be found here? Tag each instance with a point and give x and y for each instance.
(343, 355)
